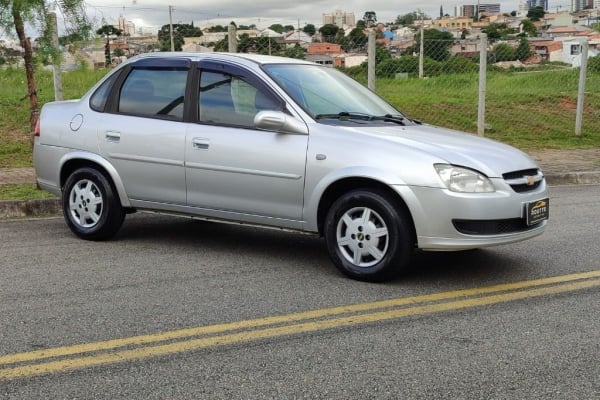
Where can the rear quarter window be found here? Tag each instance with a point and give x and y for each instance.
(100, 96)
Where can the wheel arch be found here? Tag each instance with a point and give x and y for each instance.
(345, 185)
(76, 160)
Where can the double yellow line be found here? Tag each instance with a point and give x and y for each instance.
(68, 358)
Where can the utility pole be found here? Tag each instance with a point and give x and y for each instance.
(171, 27)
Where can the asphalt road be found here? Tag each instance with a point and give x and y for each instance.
(177, 309)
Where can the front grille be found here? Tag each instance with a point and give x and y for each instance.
(491, 226)
(523, 181)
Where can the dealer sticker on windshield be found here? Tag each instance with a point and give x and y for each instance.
(537, 211)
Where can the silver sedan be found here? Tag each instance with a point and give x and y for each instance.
(282, 143)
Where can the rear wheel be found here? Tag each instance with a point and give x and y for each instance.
(369, 237)
(90, 206)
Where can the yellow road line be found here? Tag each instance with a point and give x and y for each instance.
(369, 316)
(255, 323)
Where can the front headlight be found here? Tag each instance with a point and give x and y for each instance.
(464, 180)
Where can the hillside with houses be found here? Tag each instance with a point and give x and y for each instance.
(341, 40)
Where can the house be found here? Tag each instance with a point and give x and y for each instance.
(571, 52)
(547, 50)
(404, 33)
(400, 46)
(324, 48)
(454, 24)
(466, 48)
(565, 31)
(322, 59)
(211, 37)
(270, 33)
(195, 48)
(297, 37)
(352, 60)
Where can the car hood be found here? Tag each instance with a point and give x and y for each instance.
(453, 147)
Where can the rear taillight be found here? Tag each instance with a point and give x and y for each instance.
(36, 131)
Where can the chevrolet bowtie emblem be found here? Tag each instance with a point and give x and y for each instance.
(530, 180)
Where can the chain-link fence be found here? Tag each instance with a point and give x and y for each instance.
(501, 89)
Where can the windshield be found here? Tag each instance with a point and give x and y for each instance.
(325, 92)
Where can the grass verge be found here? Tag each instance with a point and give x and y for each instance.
(25, 191)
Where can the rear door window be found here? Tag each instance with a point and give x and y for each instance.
(154, 92)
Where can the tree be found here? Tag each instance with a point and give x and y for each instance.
(498, 31)
(436, 44)
(260, 45)
(309, 29)
(410, 18)
(523, 50)
(108, 31)
(381, 54)
(180, 31)
(329, 31)
(355, 39)
(289, 28)
(16, 14)
(119, 52)
(536, 13)
(277, 28)
(528, 28)
(504, 52)
(218, 28)
(370, 18)
(296, 51)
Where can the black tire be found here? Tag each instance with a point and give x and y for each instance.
(369, 236)
(90, 206)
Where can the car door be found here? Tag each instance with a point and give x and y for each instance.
(143, 133)
(232, 168)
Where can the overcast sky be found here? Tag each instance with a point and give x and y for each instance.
(149, 15)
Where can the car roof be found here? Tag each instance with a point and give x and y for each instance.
(242, 58)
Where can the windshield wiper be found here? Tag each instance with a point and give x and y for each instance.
(345, 115)
(399, 119)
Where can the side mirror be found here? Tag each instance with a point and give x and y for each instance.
(279, 122)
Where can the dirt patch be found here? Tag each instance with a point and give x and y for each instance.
(568, 103)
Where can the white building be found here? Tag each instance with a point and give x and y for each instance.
(339, 18)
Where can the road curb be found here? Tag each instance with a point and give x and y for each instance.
(10, 209)
(29, 208)
(574, 178)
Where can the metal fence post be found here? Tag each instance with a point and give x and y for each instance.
(482, 85)
(371, 51)
(581, 90)
(422, 50)
(56, 58)
(232, 38)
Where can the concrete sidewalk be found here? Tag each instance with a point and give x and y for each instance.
(561, 167)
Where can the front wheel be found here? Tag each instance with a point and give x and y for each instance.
(90, 207)
(369, 237)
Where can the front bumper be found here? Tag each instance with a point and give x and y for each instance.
(447, 221)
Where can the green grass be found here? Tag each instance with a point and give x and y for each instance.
(15, 135)
(528, 110)
(26, 191)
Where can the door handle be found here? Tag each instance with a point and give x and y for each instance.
(200, 143)
(112, 136)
